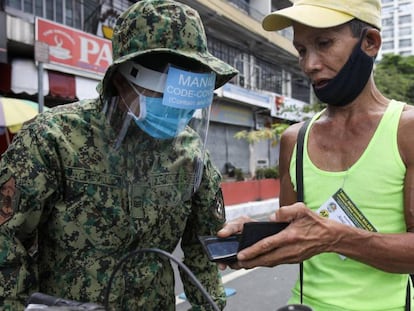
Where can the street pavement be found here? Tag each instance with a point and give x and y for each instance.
(253, 209)
(259, 289)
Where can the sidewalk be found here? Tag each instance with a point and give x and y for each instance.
(251, 208)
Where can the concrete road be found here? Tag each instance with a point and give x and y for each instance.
(264, 289)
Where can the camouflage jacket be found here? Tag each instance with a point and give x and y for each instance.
(73, 206)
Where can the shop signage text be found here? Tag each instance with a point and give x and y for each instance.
(74, 51)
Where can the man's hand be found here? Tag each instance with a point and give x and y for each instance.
(307, 235)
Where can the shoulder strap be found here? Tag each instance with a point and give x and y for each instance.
(299, 161)
(299, 184)
(408, 296)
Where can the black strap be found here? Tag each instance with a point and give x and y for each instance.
(299, 185)
(408, 298)
(299, 161)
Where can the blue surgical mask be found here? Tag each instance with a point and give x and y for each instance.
(160, 121)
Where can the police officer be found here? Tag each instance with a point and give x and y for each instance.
(91, 181)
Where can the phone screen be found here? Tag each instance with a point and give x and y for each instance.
(221, 249)
(225, 249)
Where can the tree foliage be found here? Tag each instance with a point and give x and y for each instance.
(394, 76)
(273, 134)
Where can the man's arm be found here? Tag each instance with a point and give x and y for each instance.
(287, 144)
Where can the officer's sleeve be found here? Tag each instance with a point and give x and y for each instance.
(207, 218)
(25, 182)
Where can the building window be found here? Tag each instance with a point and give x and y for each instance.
(388, 45)
(387, 10)
(58, 11)
(405, 43)
(300, 88)
(222, 51)
(404, 19)
(68, 12)
(271, 77)
(405, 31)
(404, 7)
(388, 33)
(255, 72)
(388, 21)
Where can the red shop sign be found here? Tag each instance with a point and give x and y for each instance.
(74, 51)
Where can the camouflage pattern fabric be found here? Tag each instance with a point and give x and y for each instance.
(75, 206)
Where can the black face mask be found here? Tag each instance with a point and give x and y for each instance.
(350, 80)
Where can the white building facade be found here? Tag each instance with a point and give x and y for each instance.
(397, 27)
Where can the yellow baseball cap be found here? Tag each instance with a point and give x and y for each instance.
(325, 13)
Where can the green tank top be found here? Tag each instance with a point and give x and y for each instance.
(375, 184)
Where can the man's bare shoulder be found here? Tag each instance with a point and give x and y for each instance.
(407, 116)
(289, 139)
(291, 132)
(405, 137)
(409, 107)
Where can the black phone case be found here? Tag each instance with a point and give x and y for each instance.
(252, 233)
(255, 231)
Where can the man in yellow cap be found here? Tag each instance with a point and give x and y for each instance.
(358, 153)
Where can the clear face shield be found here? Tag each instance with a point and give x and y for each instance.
(171, 106)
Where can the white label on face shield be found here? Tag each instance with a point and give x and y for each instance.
(188, 90)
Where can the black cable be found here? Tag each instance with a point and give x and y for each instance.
(170, 257)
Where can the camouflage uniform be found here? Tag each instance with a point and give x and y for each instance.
(73, 205)
(82, 205)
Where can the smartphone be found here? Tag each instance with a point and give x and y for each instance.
(225, 250)
(222, 250)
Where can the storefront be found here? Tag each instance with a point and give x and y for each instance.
(72, 63)
(236, 109)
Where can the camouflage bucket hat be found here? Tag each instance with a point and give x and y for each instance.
(164, 26)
